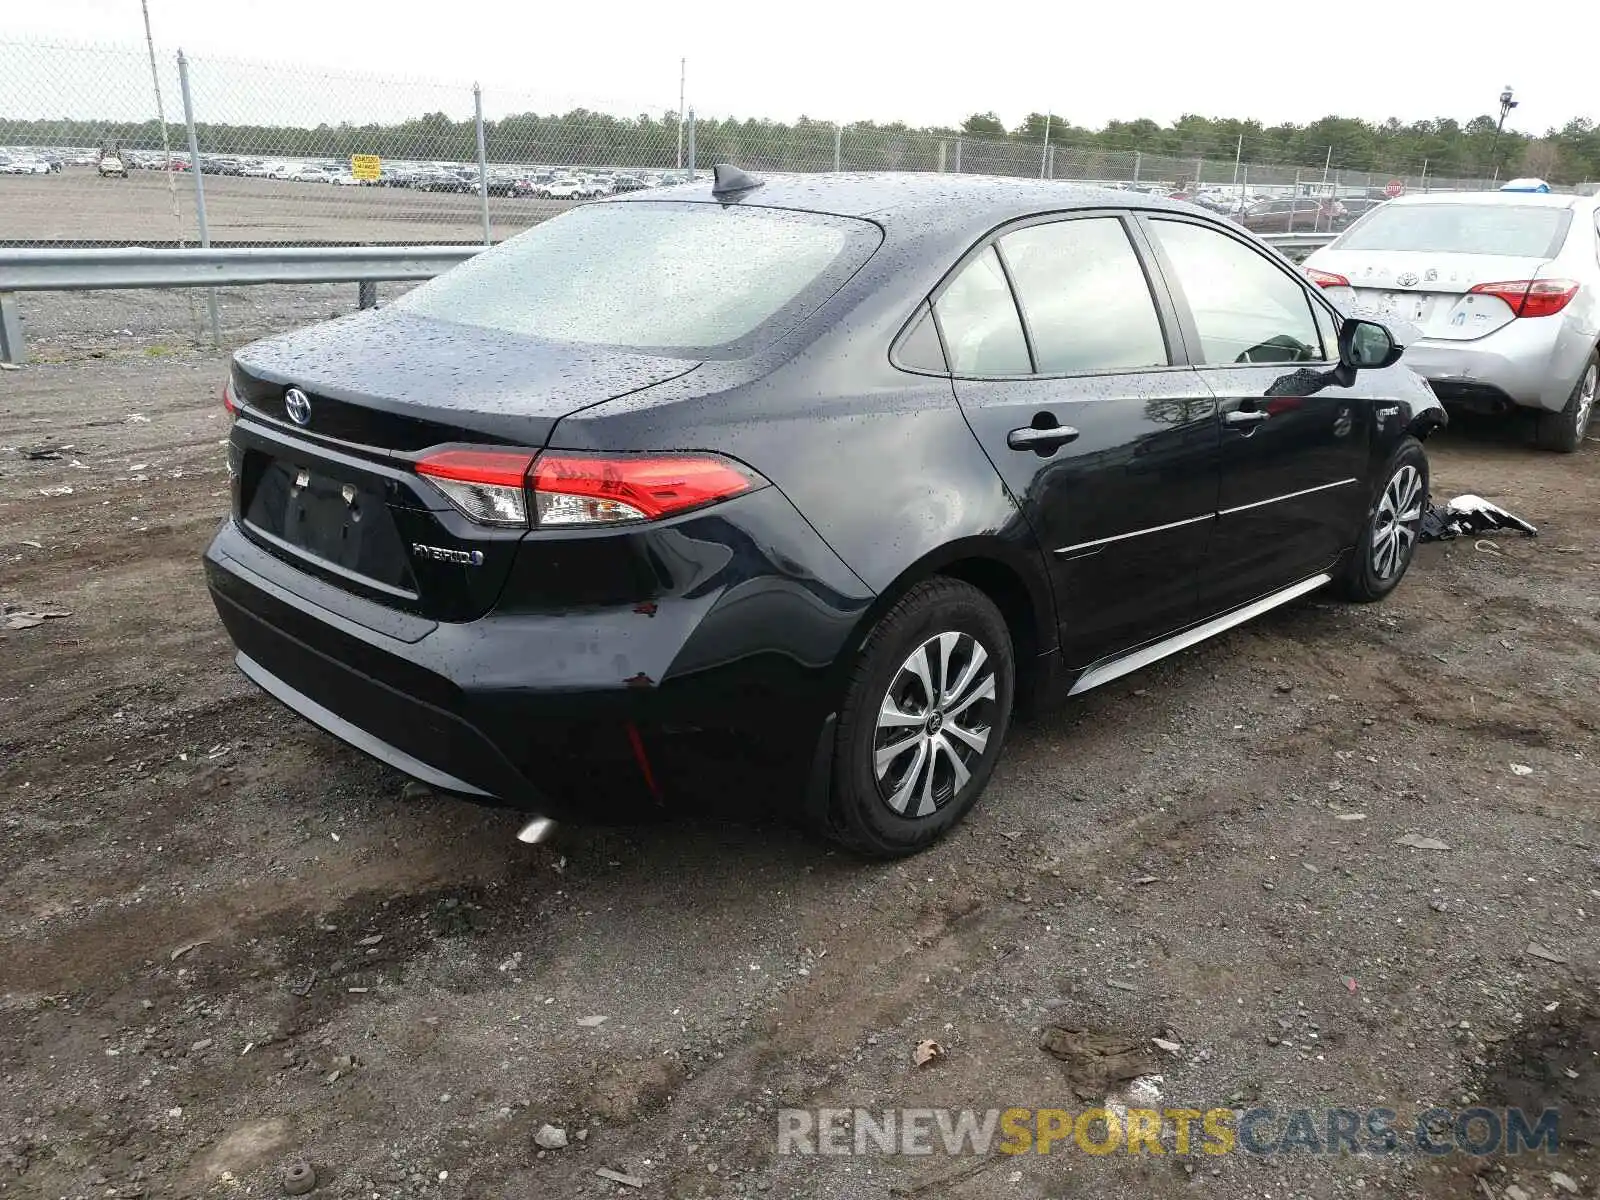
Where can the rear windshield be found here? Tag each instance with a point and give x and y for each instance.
(701, 280)
(1520, 230)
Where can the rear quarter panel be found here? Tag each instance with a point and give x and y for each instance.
(880, 461)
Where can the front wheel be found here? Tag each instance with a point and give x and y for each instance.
(925, 714)
(1388, 537)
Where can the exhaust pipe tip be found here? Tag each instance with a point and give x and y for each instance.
(536, 831)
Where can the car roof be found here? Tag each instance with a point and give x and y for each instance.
(1538, 199)
(917, 201)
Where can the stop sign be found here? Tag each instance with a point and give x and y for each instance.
(1394, 188)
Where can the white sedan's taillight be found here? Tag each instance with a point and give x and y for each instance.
(1531, 297)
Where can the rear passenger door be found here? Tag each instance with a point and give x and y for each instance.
(1295, 446)
(1067, 366)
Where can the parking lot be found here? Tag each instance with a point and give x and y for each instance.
(77, 205)
(230, 942)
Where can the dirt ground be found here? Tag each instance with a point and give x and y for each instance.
(77, 205)
(229, 944)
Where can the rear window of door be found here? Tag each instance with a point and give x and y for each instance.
(978, 318)
(1085, 297)
(1246, 308)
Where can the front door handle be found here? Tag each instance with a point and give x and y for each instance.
(1041, 441)
(1245, 416)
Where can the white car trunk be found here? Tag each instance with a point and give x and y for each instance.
(1429, 291)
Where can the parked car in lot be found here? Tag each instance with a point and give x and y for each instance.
(1503, 292)
(443, 179)
(17, 164)
(111, 166)
(1228, 203)
(1295, 214)
(1360, 206)
(301, 172)
(846, 468)
(568, 189)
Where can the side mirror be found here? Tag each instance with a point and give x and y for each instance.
(1366, 345)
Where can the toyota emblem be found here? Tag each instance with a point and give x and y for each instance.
(1406, 278)
(298, 406)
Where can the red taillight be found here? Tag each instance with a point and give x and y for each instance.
(485, 485)
(1531, 297)
(228, 400)
(491, 487)
(601, 489)
(1326, 278)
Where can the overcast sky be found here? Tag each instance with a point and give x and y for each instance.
(924, 64)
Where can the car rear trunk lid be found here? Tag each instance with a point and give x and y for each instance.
(334, 419)
(1428, 291)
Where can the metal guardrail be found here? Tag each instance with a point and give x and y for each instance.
(140, 267)
(1297, 245)
(135, 267)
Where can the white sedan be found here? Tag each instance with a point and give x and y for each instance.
(23, 166)
(1501, 293)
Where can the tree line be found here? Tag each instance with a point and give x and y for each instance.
(1444, 146)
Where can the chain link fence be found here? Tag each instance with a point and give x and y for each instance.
(288, 155)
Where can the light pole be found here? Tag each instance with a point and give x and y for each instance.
(1507, 103)
(683, 77)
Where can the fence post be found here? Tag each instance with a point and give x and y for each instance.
(1199, 172)
(958, 156)
(483, 163)
(1422, 185)
(12, 348)
(944, 147)
(1137, 158)
(1294, 201)
(199, 191)
(691, 143)
(838, 148)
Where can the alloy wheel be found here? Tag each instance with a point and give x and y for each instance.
(1394, 528)
(1586, 392)
(934, 724)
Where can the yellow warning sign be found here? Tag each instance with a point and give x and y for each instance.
(365, 166)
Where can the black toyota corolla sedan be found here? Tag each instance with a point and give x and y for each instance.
(838, 473)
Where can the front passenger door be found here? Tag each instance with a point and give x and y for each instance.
(1295, 445)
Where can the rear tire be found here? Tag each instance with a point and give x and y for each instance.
(1388, 537)
(1564, 431)
(924, 717)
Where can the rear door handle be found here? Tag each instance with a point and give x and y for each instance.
(1242, 416)
(1042, 441)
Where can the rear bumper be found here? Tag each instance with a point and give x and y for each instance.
(548, 712)
(349, 731)
(1533, 363)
